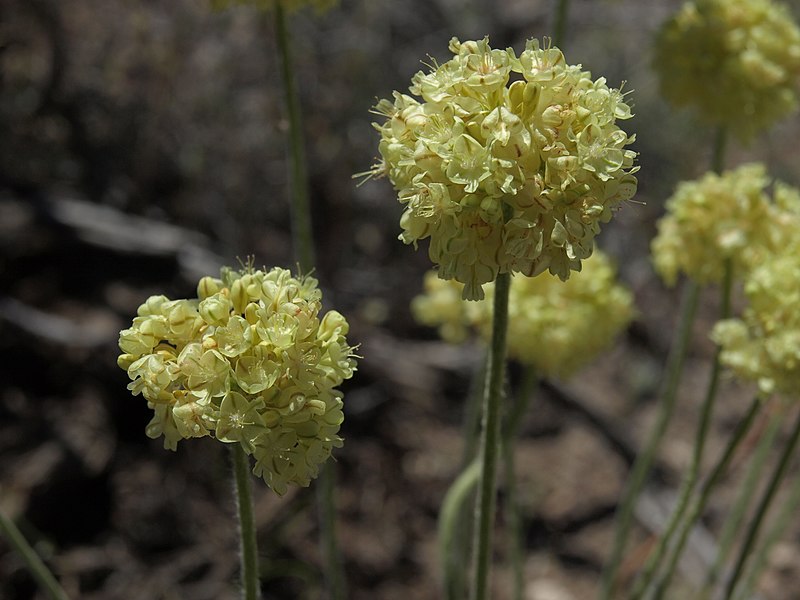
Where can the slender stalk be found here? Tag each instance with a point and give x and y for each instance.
(641, 468)
(300, 206)
(513, 516)
(560, 23)
(687, 487)
(44, 578)
(700, 503)
(718, 150)
(303, 241)
(490, 432)
(451, 529)
(247, 527)
(747, 492)
(472, 413)
(778, 529)
(762, 508)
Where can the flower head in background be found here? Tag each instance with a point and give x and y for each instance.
(712, 220)
(555, 327)
(736, 61)
(506, 176)
(249, 361)
(320, 6)
(764, 345)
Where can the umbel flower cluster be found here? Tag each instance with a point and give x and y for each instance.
(555, 327)
(736, 61)
(712, 220)
(764, 345)
(506, 176)
(249, 362)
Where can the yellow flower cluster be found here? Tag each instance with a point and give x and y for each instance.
(554, 326)
(506, 177)
(712, 220)
(736, 61)
(764, 345)
(249, 362)
(320, 6)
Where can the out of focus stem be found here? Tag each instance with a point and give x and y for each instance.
(560, 23)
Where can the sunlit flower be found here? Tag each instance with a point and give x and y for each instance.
(506, 176)
(249, 362)
(736, 61)
(554, 326)
(712, 220)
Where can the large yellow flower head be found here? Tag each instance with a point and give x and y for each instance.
(712, 220)
(250, 362)
(736, 61)
(764, 345)
(506, 176)
(554, 326)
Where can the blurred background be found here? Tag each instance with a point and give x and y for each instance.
(143, 145)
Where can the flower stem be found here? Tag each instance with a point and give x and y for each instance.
(451, 530)
(641, 468)
(303, 240)
(44, 578)
(718, 151)
(763, 507)
(513, 516)
(687, 487)
(560, 24)
(247, 527)
(700, 503)
(327, 519)
(746, 493)
(490, 432)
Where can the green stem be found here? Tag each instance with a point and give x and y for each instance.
(300, 207)
(733, 522)
(44, 578)
(560, 25)
(247, 527)
(718, 151)
(687, 487)
(778, 529)
(334, 571)
(490, 432)
(451, 530)
(700, 503)
(641, 468)
(513, 516)
(472, 413)
(763, 507)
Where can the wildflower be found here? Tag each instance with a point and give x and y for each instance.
(506, 177)
(764, 345)
(736, 61)
(248, 362)
(554, 326)
(712, 220)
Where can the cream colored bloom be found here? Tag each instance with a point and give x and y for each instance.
(736, 61)
(554, 326)
(506, 176)
(248, 362)
(712, 220)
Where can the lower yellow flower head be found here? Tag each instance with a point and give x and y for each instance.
(764, 345)
(712, 220)
(736, 61)
(249, 362)
(554, 326)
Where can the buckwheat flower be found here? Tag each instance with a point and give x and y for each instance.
(764, 345)
(712, 220)
(554, 326)
(736, 61)
(249, 362)
(506, 176)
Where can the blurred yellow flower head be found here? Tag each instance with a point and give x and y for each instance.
(736, 61)
(554, 326)
(249, 362)
(506, 176)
